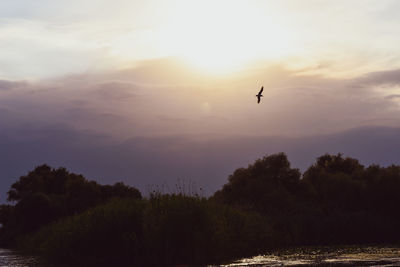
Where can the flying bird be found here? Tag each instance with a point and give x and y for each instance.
(259, 95)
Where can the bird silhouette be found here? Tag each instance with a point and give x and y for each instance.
(259, 95)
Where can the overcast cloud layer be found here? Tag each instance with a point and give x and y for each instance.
(161, 122)
(44, 38)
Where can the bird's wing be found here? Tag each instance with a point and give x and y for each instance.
(262, 88)
(259, 99)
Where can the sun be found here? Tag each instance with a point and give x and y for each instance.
(223, 36)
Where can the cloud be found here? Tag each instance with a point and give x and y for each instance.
(115, 90)
(146, 128)
(380, 78)
(51, 39)
(9, 85)
(394, 96)
(164, 97)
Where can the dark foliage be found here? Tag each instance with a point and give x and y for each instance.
(46, 194)
(163, 230)
(269, 185)
(337, 200)
(267, 205)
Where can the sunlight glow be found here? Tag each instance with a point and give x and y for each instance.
(222, 36)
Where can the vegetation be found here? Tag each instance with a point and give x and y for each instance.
(336, 201)
(46, 195)
(268, 205)
(163, 230)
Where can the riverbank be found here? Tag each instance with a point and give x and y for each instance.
(162, 230)
(339, 256)
(326, 256)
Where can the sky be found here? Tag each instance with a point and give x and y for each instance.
(158, 92)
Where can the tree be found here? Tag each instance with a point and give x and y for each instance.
(267, 185)
(335, 182)
(46, 194)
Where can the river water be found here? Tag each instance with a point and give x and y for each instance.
(9, 258)
(322, 256)
(327, 256)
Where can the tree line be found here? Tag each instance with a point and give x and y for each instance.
(336, 200)
(267, 205)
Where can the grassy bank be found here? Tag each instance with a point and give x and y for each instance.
(167, 229)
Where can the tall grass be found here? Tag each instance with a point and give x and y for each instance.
(161, 230)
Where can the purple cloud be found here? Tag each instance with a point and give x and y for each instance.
(144, 127)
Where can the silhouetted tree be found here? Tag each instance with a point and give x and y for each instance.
(266, 186)
(46, 194)
(335, 182)
(353, 203)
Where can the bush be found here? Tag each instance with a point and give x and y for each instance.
(162, 230)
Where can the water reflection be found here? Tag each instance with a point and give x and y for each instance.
(327, 256)
(8, 258)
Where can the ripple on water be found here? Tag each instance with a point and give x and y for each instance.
(327, 256)
(9, 258)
